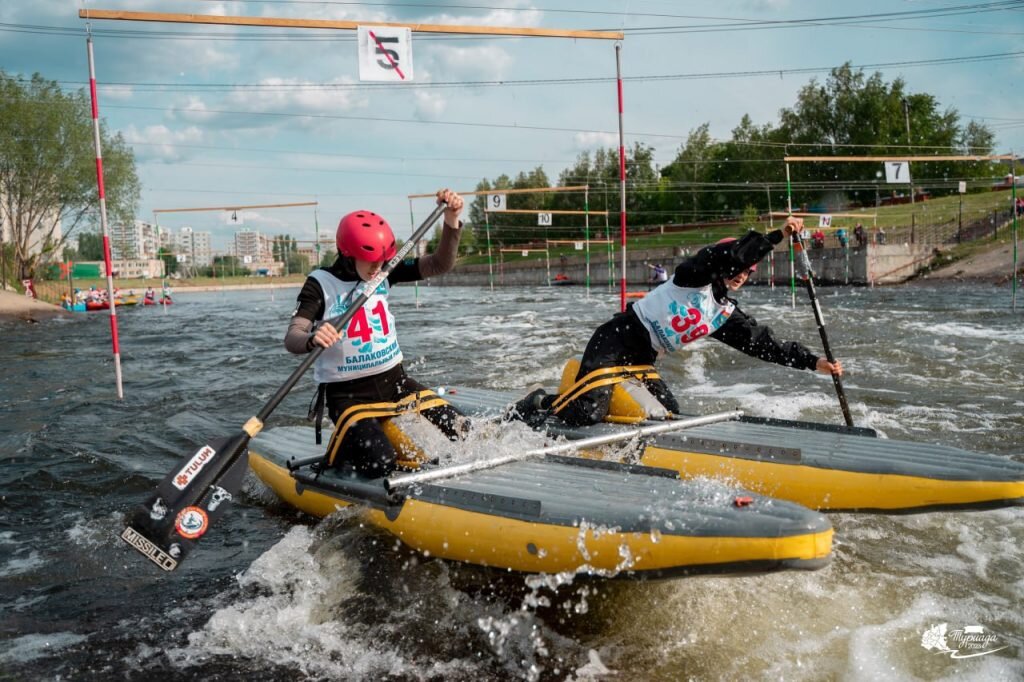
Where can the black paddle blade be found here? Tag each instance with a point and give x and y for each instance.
(187, 502)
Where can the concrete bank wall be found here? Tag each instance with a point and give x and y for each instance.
(873, 264)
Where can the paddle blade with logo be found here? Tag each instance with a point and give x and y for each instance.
(187, 501)
(171, 521)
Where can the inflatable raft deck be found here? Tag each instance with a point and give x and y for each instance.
(556, 514)
(820, 466)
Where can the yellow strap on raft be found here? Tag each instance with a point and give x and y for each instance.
(623, 409)
(414, 402)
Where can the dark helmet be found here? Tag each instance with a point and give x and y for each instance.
(727, 240)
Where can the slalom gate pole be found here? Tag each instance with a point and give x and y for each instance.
(103, 216)
(622, 179)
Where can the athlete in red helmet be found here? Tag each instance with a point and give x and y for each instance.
(694, 304)
(363, 362)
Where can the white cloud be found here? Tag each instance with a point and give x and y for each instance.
(275, 95)
(486, 62)
(160, 143)
(497, 17)
(429, 105)
(595, 140)
(257, 220)
(194, 110)
(115, 92)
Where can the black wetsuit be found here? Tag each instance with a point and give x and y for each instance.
(624, 340)
(365, 445)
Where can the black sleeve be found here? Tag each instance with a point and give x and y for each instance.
(406, 271)
(743, 333)
(310, 303)
(722, 261)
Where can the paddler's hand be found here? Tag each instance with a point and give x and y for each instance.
(826, 367)
(793, 225)
(453, 209)
(326, 335)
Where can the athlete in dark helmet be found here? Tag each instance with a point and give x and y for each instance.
(363, 362)
(694, 304)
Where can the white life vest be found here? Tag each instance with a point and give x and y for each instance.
(676, 316)
(369, 342)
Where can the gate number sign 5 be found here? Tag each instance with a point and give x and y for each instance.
(385, 53)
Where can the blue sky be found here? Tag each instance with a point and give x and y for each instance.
(218, 117)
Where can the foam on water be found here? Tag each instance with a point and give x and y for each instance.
(89, 533)
(972, 331)
(339, 601)
(34, 646)
(308, 596)
(23, 561)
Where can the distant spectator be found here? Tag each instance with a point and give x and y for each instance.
(659, 275)
(818, 239)
(842, 237)
(1020, 205)
(860, 235)
(880, 235)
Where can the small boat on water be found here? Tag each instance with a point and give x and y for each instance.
(821, 466)
(553, 514)
(96, 305)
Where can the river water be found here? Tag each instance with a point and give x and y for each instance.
(271, 594)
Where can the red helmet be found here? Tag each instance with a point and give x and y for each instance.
(726, 240)
(366, 236)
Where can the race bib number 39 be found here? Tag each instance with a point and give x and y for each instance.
(385, 53)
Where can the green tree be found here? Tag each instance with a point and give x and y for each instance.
(90, 245)
(855, 114)
(47, 168)
(228, 266)
(686, 170)
(327, 257)
(298, 263)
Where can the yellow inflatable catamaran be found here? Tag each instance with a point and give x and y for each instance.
(820, 466)
(556, 514)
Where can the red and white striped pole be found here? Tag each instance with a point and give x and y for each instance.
(622, 179)
(103, 218)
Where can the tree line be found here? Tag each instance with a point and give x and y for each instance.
(48, 181)
(850, 114)
(48, 169)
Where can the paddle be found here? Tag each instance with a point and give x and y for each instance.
(191, 497)
(391, 484)
(809, 281)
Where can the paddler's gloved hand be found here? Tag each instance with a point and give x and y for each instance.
(325, 335)
(530, 409)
